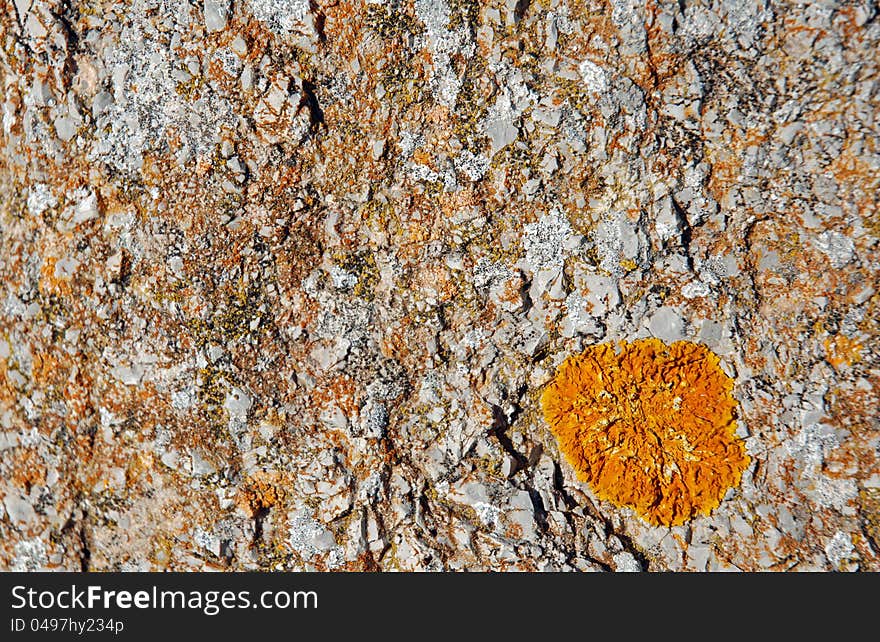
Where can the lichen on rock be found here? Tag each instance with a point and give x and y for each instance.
(282, 282)
(649, 426)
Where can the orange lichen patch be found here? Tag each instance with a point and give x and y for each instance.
(8, 395)
(53, 280)
(45, 369)
(860, 180)
(263, 490)
(78, 399)
(650, 426)
(726, 162)
(435, 280)
(139, 468)
(841, 350)
(393, 344)
(510, 292)
(661, 62)
(339, 391)
(28, 469)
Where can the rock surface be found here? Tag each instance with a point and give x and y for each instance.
(282, 281)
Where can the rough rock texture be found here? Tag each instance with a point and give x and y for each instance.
(282, 280)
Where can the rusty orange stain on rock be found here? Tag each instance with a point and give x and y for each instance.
(649, 426)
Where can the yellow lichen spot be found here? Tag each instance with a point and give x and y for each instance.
(841, 350)
(649, 426)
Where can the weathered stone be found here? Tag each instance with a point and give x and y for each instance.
(216, 14)
(284, 281)
(666, 324)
